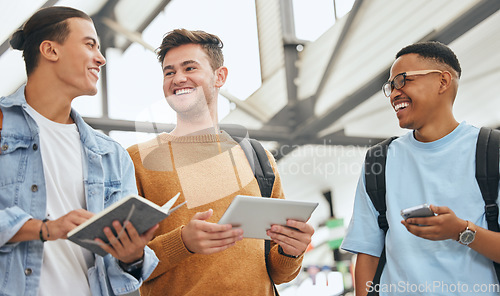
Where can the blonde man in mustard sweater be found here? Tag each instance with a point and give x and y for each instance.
(197, 255)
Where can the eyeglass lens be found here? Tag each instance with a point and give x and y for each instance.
(397, 83)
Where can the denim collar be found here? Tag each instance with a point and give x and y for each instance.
(91, 139)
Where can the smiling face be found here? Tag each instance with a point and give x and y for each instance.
(190, 84)
(418, 102)
(79, 59)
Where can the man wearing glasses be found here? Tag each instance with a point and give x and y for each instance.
(433, 164)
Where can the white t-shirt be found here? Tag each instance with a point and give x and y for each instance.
(65, 264)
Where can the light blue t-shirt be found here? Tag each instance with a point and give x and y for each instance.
(441, 173)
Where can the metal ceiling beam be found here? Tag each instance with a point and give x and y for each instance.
(338, 46)
(290, 43)
(161, 6)
(452, 31)
(245, 107)
(130, 35)
(6, 45)
(296, 111)
(338, 139)
(264, 134)
(107, 41)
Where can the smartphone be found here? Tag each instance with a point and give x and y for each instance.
(417, 211)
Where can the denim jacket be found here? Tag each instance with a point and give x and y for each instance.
(108, 176)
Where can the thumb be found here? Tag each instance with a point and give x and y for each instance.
(439, 210)
(203, 215)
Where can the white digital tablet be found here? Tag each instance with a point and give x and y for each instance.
(255, 215)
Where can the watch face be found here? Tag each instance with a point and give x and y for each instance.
(467, 237)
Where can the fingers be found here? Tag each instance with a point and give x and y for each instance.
(127, 245)
(440, 210)
(204, 242)
(220, 241)
(427, 232)
(59, 228)
(83, 213)
(203, 215)
(293, 238)
(149, 234)
(446, 225)
(203, 237)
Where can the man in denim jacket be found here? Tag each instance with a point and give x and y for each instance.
(56, 171)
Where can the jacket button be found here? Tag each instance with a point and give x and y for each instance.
(28, 271)
(5, 147)
(35, 147)
(34, 188)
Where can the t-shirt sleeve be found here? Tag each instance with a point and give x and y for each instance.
(363, 233)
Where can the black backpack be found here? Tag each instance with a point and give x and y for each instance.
(263, 172)
(487, 176)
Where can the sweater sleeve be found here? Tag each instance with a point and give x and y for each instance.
(170, 250)
(168, 247)
(281, 268)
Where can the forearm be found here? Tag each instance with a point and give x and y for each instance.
(29, 231)
(486, 243)
(366, 265)
(11, 221)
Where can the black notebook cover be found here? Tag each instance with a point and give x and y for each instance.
(142, 213)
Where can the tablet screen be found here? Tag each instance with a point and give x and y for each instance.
(255, 215)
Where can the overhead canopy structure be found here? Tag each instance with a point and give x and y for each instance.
(330, 91)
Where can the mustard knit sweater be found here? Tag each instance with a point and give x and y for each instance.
(209, 170)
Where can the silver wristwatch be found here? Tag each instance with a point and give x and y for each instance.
(467, 236)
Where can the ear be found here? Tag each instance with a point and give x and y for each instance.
(49, 50)
(221, 76)
(446, 82)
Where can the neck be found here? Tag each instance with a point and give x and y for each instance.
(48, 99)
(436, 131)
(207, 123)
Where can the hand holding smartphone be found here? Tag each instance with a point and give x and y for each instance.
(417, 211)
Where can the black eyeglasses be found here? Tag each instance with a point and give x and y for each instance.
(400, 80)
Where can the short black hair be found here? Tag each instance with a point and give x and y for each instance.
(433, 50)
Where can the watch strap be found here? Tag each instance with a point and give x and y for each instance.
(280, 251)
(133, 266)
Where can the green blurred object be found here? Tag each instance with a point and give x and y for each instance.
(335, 244)
(334, 223)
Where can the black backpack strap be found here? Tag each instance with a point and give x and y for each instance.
(264, 174)
(375, 188)
(375, 179)
(252, 158)
(259, 162)
(487, 176)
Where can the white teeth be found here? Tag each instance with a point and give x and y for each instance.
(94, 71)
(401, 106)
(183, 91)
